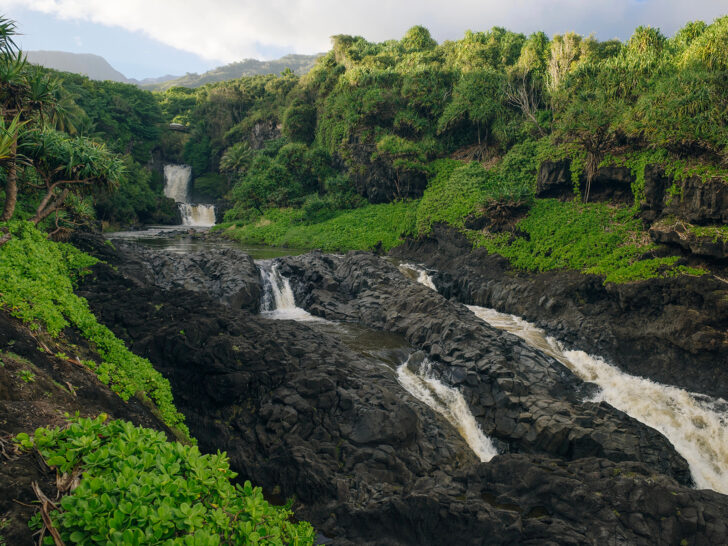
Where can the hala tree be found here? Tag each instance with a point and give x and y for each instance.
(67, 166)
(31, 101)
(477, 100)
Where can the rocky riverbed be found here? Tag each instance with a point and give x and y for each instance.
(303, 414)
(672, 330)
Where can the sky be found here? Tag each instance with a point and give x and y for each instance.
(149, 38)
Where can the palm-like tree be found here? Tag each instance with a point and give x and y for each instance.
(28, 95)
(12, 85)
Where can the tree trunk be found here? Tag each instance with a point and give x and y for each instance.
(11, 186)
(45, 209)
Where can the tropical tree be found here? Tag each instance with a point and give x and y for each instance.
(68, 166)
(476, 99)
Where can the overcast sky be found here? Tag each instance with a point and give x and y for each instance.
(143, 38)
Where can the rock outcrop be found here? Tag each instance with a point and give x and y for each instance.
(227, 275)
(612, 184)
(692, 199)
(673, 330)
(677, 233)
(528, 401)
(302, 414)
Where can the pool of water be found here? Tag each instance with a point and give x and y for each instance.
(186, 239)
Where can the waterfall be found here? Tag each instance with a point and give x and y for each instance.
(278, 301)
(695, 424)
(177, 186)
(197, 215)
(177, 182)
(448, 402)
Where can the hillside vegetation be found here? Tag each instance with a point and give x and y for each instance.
(458, 130)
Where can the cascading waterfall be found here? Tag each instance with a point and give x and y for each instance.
(695, 424)
(448, 402)
(176, 186)
(278, 301)
(177, 182)
(197, 215)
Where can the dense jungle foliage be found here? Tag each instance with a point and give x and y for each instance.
(459, 127)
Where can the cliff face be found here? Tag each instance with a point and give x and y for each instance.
(692, 199)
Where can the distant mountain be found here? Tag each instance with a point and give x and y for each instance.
(97, 68)
(300, 64)
(93, 66)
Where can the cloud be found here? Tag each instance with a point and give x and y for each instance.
(229, 30)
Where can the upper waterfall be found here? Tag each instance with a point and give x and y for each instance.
(177, 186)
(177, 182)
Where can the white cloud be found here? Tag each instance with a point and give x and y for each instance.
(228, 30)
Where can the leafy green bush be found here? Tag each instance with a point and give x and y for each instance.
(36, 285)
(455, 191)
(138, 488)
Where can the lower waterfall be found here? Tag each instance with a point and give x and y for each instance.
(448, 402)
(695, 424)
(278, 301)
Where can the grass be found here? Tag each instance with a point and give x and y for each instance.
(592, 238)
(359, 229)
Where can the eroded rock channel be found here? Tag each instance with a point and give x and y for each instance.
(315, 409)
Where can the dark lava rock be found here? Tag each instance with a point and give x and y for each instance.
(554, 179)
(677, 234)
(518, 395)
(612, 184)
(672, 330)
(226, 274)
(301, 414)
(691, 199)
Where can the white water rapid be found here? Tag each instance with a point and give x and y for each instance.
(176, 186)
(278, 300)
(448, 402)
(695, 424)
(197, 215)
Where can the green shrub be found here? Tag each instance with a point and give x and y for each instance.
(138, 488)
(455, 191)
(36, 285)
(210, 186)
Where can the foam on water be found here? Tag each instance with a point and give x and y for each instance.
(695, 424)
(448, 402)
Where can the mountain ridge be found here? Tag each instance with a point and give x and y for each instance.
(97, 68)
